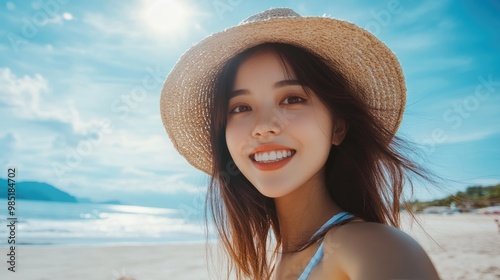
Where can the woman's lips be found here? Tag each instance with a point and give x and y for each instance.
(271, 156)
(272, 165)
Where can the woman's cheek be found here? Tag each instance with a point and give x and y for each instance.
(236, 132)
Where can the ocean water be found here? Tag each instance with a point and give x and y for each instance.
(58, 223)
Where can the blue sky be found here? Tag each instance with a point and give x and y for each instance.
(81, 81)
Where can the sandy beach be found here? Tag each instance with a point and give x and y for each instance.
(465, 246)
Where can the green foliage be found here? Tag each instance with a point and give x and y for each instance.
(473, 197)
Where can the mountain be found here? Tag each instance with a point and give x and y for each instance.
(37, 191)
(43, 191)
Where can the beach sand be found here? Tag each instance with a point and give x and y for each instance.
(465, 246)
(468, 247)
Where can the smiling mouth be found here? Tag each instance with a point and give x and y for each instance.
(272, 156)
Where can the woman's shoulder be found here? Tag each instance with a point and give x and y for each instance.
(367, 250)
(361, 234)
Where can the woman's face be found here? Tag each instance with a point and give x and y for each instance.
(278, 136)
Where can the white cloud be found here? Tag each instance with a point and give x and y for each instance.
(130, 170)
(137, 143)
(24, 96)
(107, 25)
(469, 137)
(23, 93)
(58, 19)
(412, 42)
(8, 145)
(412, 16)
(8, 141)
(425, 26)
(133, 181)
(128, 157)
(174, 184)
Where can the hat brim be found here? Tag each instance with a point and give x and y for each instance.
(367, 63)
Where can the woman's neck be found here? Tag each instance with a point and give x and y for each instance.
(302, 212)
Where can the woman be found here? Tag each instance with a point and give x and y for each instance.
(294, 120)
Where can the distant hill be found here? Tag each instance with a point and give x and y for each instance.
(37, 191)
(46, 192)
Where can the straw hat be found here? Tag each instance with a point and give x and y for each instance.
(371, 68)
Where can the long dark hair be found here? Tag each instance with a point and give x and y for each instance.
(365, 174)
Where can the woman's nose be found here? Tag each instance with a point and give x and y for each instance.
(266, 124)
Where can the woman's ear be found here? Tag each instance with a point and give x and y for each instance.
(339, 132)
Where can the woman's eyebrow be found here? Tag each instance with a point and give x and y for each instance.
(276, 85)
(238, 92)
(285, 83)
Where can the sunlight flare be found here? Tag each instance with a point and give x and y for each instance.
(168, 17)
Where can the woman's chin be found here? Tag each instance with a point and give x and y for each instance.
(273, 191)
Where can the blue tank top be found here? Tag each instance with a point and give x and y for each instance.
(337, 218)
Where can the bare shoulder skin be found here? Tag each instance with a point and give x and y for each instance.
(364, 250)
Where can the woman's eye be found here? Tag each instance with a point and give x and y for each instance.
(240, 109)
(293, 99)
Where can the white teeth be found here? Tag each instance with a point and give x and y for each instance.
(265, 157)
(271, 156)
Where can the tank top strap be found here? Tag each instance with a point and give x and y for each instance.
(337, 218)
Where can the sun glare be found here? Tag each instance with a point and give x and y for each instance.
(167, 17)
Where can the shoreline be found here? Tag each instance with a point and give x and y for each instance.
(461, 246)
(105, 244)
